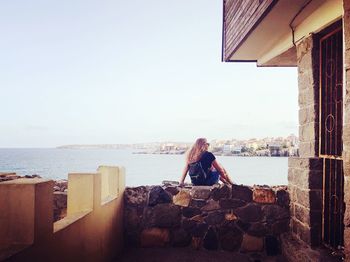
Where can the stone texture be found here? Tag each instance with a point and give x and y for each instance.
(221, 192)
(272, 246)
(190, 211)
(163, 215)
(282, 197)
(59, 205)
(180, 238)
(242, 192)
(201, 192)
(274, 212)
(230, 238)
(252, 244)
(210, 240)
(249, 213)
(258, 229)
(215, 218)
(198, 203)
(280, 227)
(231, 203)
(136, 196)
(172, 190)
(211, 205)
(158, 195)
(230, 216)
(154, 237)
(182, 198)
(264, 195)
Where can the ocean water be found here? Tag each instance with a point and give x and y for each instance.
(141, 169)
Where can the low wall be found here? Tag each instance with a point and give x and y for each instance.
(241, 218)
(91, 231)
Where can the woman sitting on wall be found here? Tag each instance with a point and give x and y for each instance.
(202, 166)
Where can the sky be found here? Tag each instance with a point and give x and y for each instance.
(116, 71)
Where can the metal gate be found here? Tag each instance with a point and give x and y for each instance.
(330, 137)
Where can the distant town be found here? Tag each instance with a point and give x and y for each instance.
(269, 146)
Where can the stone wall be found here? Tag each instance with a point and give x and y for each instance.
(305, 189)
(346, 127)
(241, 218)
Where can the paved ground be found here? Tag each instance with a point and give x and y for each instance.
(190, 255)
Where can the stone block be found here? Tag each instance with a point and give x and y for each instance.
(347, 242)
(190, 211)
(136, 196)
(198, 203)
(211, 205)
(308, 149)
(230, 238)
(196, 242)
(180, 238)
(59, 205)
(274, 212)
(231, 203)
(158, 195)
(272, 246)
(282, 197)
(154, 237)
(198, 218)
(215, 218)
(249, 213)
(210, 240)
(201, 192)
(258, 229)
(241, 192)
(264, 195)
(133, 218)
(280, 227)
(182, 198)
(230, 216)
(199, 230)
(252, 244)
(221, 192)
(308, 132)
(162, 215)
(173, 190)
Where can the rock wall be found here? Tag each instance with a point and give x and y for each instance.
(241, 218)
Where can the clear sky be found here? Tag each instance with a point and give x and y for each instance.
(103, 71)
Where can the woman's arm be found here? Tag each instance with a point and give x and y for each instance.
(223, 174)
(184, 173)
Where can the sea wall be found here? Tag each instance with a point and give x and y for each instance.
(237, 218)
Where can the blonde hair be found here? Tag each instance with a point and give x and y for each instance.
(196, 151)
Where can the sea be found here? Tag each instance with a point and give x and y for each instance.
(141, 169)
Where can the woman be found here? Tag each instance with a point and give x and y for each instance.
(199, 159)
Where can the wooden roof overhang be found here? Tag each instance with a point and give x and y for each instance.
(267, 31)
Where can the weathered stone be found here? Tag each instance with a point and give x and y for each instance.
(154, 237)
(242, 192)
(263, 195)
(133, 218)
(275, 212)
(59, 205)
(249, 213)
(169, 183)
(190, 211)
(182, 198)
(221, 192)
(211, 205)
(198, 203)
(201, 192)
(258, 229)
(283, 198)
(230, 238)
(198, 218)
(136, 196)
(158, 195)
(272, 246)
(180, 238)
(280, 226)
(189, 225)
(162, 215)
(244, 226)
(230, 216)
(306, 163)
(196, 242)
(210, 240)
(252, 244)
(231, 203)
(172, 190)
(215, 218)
(199, 230)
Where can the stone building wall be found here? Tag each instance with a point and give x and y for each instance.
(241, 218)
(346, 127)
(305, 172)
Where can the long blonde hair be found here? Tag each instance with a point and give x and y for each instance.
(196, 151)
